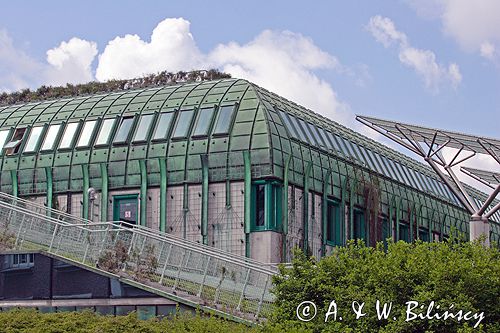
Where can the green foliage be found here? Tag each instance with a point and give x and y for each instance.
(464, 274)
(79, 322)
(159, 79)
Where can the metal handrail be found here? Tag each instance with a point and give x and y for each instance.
(228, 284)
(50, 212)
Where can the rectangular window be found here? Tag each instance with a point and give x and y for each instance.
(123, 131)
(316, 135)
(163, 126)
(3, 138)
(310, 137)
(69, 134)
(325, 138)
(298, 128)
(86, 135)
(260, 204)
(423, 234)
(404, 232)
(183, 123)
(288, 125)
(105, 132)
(12, 147)
(143, 129)
(333, 225)
(50, 137)
(204, 120)
(386, 230)
(224, 120)
(359, 225)
(334, 140)
(33, 139)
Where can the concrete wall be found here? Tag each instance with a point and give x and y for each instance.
(265, 246)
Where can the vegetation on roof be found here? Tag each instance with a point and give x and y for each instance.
(71, 90)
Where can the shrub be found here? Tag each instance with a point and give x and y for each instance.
(464, 274)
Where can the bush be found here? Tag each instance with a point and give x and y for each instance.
(464, 274)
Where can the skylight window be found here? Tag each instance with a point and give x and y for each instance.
(86, 135)
(298, 128)
(182, 127)
(310, 137)
(205, 116)
(224, 119)
(50, 137)
(33, 139)
(105, 132)
(288, 124)
(163, 126)
(69, 134)
(123, 131)
(314, 131)
(3, 138)
(143, 129)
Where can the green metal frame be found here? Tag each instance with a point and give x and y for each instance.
(104, 192)
(247, 201)
(50, 192)
(204, 199)
(163, 194)
(86, 186)
(144, 192)
(116, 200)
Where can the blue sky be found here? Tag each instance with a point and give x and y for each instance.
(402, 73)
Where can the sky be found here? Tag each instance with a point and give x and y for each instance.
(431, 62)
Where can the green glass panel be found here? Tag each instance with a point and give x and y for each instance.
(182, 127)
(143, 129)
(204, 120)
(224, 119)
(333, 227)
(50, 137)
(33, 139)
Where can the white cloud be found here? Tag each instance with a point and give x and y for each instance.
(71, 62)
(283, 62)
(475, 25)
(423, 62)
(172, 47)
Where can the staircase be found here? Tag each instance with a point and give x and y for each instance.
(188, 272)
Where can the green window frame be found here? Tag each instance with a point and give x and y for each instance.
(124, 130)
(163, 126)
(266, 206)
(203, 122)
(33, 139)
(105, 131)
(142, 131)
(183, 124)
(224, 119)
(86, 133)
(423, 234)
(359, 225)
(3, 138)
(51, 137)
(404, 231)
(333, 224)
(12, 147)
(68, 136)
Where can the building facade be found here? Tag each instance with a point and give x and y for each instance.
(225, 163)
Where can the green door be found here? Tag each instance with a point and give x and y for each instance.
(125, 208)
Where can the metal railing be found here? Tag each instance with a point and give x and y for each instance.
(198, 274)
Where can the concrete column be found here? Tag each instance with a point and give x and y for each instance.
(480, 226)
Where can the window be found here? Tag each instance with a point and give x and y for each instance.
(298, 129)
(288, 125)
(404, 232)
(260, 195)
(69, 134)
(314, 131)
(386, 230)
(310, 138)
(423, 234)
(163, 126)
(143, 129)
(359, 225)
(333, 225)
(325, 138)
(86, 135)
(19, 261)
(3, 138)
(33, 139)
(204, 120)
(267, 206)
(123, 131)
(183, 122)
(333, 139)
(12, 147)
(105, 132)
(224, 119)
(50, 137)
